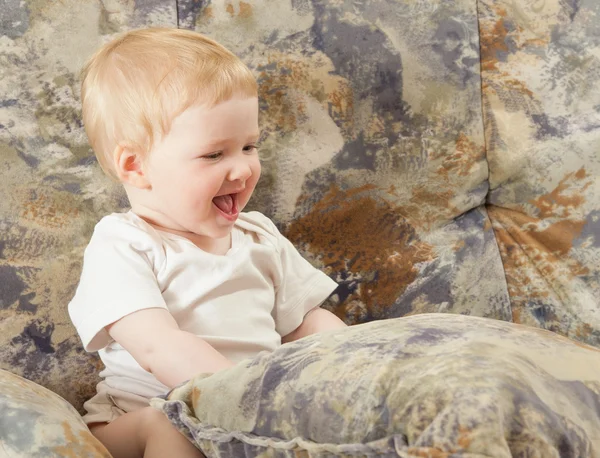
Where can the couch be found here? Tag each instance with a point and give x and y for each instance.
(431, 156)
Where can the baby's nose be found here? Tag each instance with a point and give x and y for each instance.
(241, 171)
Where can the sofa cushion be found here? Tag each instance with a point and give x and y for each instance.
(541, 99)
(37, 423)
(427, 385)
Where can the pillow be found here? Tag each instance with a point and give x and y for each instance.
(36, 422)
(427, 385)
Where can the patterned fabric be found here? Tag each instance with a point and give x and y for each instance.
(541, 96)
(36, 423)
(383, 160)
(52, 191)
(429, 385)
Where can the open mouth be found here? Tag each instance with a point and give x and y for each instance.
(227, 204)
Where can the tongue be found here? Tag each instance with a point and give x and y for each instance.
(224, 203)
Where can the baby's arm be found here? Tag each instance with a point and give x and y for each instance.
(173, 356)
(317, 320)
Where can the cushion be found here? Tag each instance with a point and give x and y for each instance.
(541, 98)
(429, 385)
(36, 423)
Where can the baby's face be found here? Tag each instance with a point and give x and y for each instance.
(204, 171)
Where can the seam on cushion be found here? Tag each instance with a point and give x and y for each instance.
(481, 101)
(199, 432)
(485, 146)
(485, 208)
(223, 436)
(306, 445)
(529, 258)
(489, 217)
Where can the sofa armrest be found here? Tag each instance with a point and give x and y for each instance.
(38, 422)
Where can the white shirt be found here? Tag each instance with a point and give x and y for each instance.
(240, 303)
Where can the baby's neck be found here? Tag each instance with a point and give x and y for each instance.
(211, 245)
(214, 246)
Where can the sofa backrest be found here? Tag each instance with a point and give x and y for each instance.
(431, 156)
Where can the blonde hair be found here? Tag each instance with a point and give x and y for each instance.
(134, 86)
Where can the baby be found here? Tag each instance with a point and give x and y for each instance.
(184, 283)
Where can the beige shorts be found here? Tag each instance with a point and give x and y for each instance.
(110, 403)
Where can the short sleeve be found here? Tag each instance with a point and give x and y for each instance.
(302, 288)
(117, 279)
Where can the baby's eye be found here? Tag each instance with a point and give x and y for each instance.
(213, 156)
(248, 148)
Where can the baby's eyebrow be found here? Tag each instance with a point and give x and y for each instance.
(216, 144)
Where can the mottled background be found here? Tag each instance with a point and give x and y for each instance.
(431, 156)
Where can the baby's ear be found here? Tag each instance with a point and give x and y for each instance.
(128, 163)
